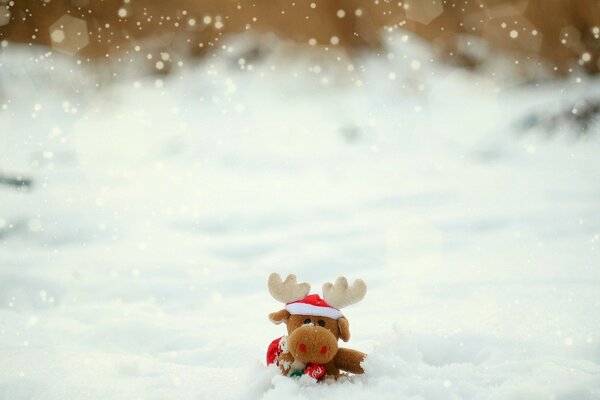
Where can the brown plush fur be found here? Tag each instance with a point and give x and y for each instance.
(314, 340)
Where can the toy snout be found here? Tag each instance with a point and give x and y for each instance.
(312, 344)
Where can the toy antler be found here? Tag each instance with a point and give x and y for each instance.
(287, 291)
(340, 294)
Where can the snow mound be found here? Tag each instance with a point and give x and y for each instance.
(159, 207)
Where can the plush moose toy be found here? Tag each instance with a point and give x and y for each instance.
(314, 326)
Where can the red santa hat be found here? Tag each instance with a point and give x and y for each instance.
(313, 305)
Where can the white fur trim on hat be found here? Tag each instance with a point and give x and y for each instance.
(316, 311)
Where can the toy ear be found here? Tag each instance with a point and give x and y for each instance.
(279, 316)
(344, 326)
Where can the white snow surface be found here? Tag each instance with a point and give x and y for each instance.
(136, 266)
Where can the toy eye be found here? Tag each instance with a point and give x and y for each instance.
(321, 322)
(307, 321)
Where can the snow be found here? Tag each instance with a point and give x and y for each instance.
(136, 266)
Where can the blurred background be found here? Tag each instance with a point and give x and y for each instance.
(159, 159)
(558, 35)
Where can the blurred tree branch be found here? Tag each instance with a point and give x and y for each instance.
(580, 119)
(17, 181)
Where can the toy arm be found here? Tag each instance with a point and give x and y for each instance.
(349, 360)
(286, 361)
